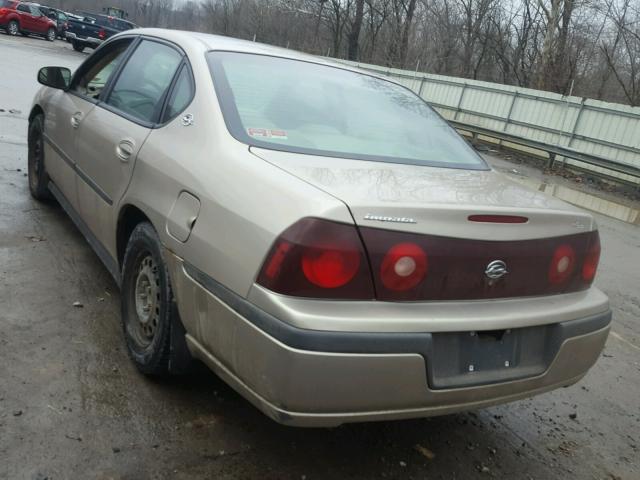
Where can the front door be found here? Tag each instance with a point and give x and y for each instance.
(66, 113)
(111, 135)
(60, 137)
(26, 19)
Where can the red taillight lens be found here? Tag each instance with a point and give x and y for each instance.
(102, 34)
(591, 260)
(320, 259)
(327, 267)
(4, 11)
(403, 267)
(562, 264)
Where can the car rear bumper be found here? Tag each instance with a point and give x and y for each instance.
(309, 377)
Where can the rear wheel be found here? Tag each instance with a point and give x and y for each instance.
(51, 34)
(38, 177)
(13, 28)
(148, 310)
(77, 46)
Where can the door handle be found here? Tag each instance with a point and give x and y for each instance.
(76, 118)
(124, 150)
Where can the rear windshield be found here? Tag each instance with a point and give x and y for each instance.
(303, 107)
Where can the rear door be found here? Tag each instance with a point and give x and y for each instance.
(111, 135)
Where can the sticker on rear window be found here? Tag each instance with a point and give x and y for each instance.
(267, 133)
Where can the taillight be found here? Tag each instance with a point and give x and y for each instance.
(4, 11)
(590, 264)
(469, 269)
(562, 264)
(319, 259)
(102, 34)
(403, 267)
(324, 259)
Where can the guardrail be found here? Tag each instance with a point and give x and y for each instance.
(552, 150)
(599, 137)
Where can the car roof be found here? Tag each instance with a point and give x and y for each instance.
(209, 42)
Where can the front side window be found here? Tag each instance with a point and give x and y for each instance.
(144, 81)
(303, 107)
(93, 79)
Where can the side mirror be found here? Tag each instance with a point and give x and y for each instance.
(55, 77)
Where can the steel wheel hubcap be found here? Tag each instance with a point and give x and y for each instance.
(147, 300)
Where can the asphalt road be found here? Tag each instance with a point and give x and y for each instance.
(72, 406)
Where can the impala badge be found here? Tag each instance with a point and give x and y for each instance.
(382, 218)
(496, 269)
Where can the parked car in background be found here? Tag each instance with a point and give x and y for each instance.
(26, 18)
(317, 235)
(58, 16)
(93, 29)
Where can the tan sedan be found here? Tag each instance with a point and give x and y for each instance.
(316, 235)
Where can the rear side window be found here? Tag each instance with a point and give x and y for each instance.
(181, 95)
(23, 8)
(145, 80)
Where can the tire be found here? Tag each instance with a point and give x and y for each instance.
(77, 46)
(148, 309)
(38, 177)
(13, 28)
(51, 34)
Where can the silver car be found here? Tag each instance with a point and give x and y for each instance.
(317, 235)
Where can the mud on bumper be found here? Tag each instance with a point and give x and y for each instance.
(317, 378)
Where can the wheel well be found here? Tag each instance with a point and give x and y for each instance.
(129, 217)
(37, 110)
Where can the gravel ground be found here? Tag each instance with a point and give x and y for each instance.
(73, 406)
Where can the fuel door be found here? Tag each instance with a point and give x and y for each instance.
(183, 216)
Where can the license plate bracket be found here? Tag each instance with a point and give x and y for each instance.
(464, 359)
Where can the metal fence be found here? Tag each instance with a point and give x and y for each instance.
(608, 131)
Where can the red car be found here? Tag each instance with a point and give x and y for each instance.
(25, 18)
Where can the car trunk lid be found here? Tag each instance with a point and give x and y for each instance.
(436, 201)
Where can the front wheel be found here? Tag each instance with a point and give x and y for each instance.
(38, 177)
(13, 28)
(51, 34)
(148, 310)
(77, 46)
